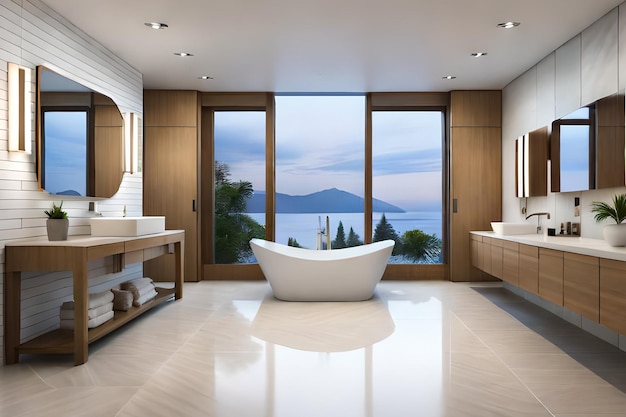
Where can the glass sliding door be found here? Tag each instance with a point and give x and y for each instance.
(407, 183)
(239, 197)
(320, 160)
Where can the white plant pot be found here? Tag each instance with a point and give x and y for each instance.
(57, 229)
(615, 234)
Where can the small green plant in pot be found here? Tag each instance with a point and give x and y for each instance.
(614, 234)
(57, 224)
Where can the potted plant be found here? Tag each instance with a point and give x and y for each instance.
(614, 234)
(57, 223)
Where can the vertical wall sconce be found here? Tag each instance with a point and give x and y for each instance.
(132, 132)
(19, 108)
(128, 129)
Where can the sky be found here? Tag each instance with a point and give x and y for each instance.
(320, 145)
(66, 151)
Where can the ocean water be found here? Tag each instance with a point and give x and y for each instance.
(304, 226)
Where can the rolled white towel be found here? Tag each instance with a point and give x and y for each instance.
(67, 310)
(145, 298)
(95, 322)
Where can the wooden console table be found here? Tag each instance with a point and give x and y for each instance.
(74, 255)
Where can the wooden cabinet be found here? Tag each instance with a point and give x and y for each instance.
(476, 243)
(510, 262)
(529, 268)
(581, 285)
(613, 295)
(486, 255)
(170, 173)
(550, 285)
(496, 258)
(476, 173)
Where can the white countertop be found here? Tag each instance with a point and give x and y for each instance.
(573, 244)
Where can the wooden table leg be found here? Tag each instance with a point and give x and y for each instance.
(12, 316)
(81, 304)
(179, 253)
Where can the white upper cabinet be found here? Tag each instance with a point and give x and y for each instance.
(599, 60)
(567, 80)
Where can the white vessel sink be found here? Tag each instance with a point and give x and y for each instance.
(127, 226)
(504, 228)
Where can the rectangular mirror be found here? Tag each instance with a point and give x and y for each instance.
(80, 138)
(572, 146)
(587, 147)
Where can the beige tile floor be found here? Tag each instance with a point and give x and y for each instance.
(416, 349)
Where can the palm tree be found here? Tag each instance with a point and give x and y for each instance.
(233, 228)
(420, 246)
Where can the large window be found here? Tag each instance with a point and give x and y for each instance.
(320, 160)
(239, 184)
(407, 183)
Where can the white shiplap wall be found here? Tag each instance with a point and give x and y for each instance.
(32, 34)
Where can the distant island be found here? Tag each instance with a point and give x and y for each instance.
(326, 201)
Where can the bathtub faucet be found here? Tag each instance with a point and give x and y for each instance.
(545, 213)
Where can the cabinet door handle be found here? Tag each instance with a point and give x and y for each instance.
(454, 205)
(193, 205)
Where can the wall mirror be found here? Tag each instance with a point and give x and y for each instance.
(587, 147)
(572, 151)
(80, 138)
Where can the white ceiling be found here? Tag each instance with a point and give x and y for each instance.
(331, 45)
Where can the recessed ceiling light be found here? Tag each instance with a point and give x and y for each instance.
(205, 77)
(508, 25)
(182, 54)
(156, 25)
(449, 77)
(478, 54)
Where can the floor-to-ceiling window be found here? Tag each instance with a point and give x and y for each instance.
(239, 190)
(320, 170)
(320, 161)
(407, 181)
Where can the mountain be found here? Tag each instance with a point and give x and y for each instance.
(327, 201)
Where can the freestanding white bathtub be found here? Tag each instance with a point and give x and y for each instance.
(297, 274)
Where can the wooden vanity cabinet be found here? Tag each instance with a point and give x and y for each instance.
(476, 247)
(581, 284)
(529, 268)
(510, 262)
(613, 295)
(486, 255)
(551, 275)
(496, 258)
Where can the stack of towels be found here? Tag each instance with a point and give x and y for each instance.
(142, 289)
(100, 310)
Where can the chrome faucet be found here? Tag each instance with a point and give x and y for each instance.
(544, 213)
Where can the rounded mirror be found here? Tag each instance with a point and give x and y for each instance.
(80, 138)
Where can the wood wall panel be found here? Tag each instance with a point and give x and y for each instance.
(476, 109)
(169, 108)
